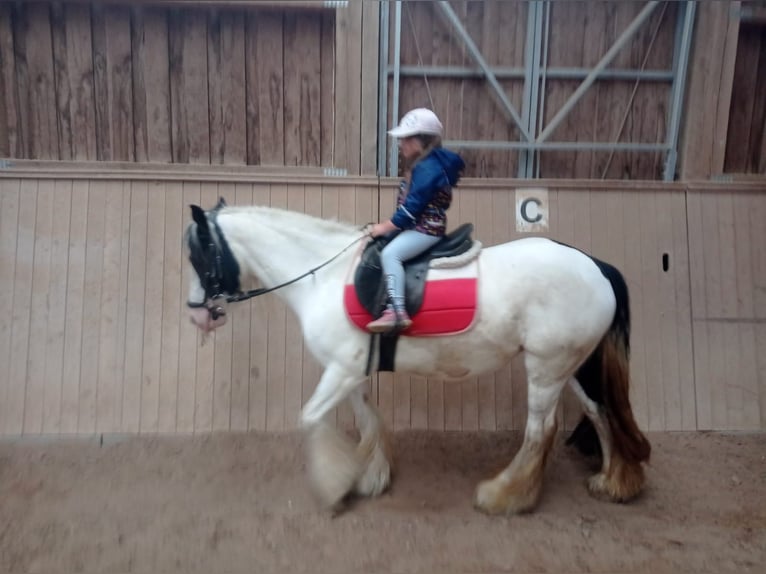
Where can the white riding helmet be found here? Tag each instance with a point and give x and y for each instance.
(417, 121)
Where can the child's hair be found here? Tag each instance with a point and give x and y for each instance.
(429, 142)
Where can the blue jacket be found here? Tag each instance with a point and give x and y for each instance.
(424, 205)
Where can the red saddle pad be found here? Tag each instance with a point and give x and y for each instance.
(449, 307)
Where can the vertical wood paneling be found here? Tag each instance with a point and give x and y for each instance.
(302, 101)
(348, 86)
(21, 310)
(173, 297)
(56, 304)
(259, 341)
(154, 299)
(151, 84)
(112, 54)
(265, 120)
(75, 303)
(10, 144)
(226, 80)
(368, 119)
(132, 362)
(240, 344)
(38, 319)
(188, 337)
(9, 228)
(189, 86)
(113, 291)
(35, 77)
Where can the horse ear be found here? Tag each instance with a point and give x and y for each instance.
(221, 203)
(199, 217)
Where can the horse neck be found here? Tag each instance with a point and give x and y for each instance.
(275, 246)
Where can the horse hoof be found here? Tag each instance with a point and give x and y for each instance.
(377, 478)
(498, 498)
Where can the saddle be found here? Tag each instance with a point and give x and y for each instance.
(369, 281)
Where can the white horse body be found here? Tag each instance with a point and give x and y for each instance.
(535, 295)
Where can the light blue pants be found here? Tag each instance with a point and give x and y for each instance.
(403, 247)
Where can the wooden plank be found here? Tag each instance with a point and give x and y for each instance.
(368, 118)
(348, 86)
(240, 341)
(749, 416)
(151, 84)
(327, 90)
(132, 381)
(188, 336)
(113, 83)
(277, 334)
(668, 317)
(204, 391)
(265, 109)
(680, 267)
(259, 343)
(9, 222)
(709, 89)
(35, 77)
(75, 303)
(111, 332)
(221, 408)
(89, 358)
(153, 306)
(173, 298)
(38, 321)
(189, 118)
(226, 80)
(21, 310)
(11, 144)
(632, 271)
(302, 82)
(57, 297)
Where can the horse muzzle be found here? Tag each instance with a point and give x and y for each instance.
(208, 318)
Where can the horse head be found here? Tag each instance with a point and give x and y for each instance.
(216, 272)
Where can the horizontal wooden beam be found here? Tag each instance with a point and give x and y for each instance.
(281, 4)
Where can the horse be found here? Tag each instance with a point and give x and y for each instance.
(565, 310)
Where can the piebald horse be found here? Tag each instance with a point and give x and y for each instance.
(566, 311)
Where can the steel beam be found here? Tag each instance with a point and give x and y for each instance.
(511, 73)
(383, 91)
(591, 77)
(680, 67)
(565, 146)
(474, 52)
(394, 149)
(531, 83)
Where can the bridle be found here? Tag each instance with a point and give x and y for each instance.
(218, 271)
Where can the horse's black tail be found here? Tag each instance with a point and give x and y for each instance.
(605, 378)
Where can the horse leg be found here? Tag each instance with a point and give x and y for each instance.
(517, 488)
(373, 449)
(601, 424)
(333, 463)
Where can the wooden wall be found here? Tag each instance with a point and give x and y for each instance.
(746, 141)
(94, 337)
(88, 81)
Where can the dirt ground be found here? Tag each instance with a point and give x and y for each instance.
(240, 503)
